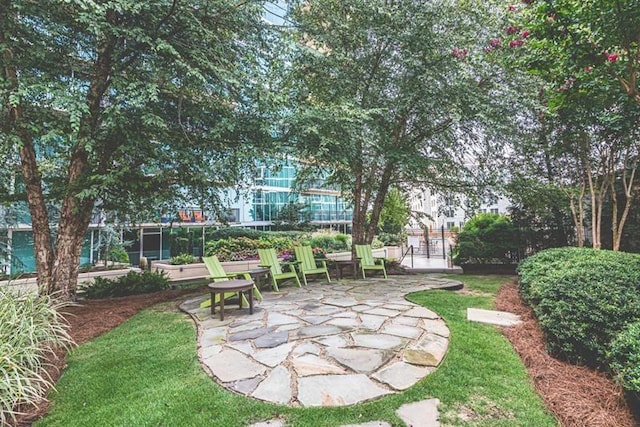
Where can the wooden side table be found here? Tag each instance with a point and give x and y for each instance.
(341, 264)
(225, 286)
(257, 274)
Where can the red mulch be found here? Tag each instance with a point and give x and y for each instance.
(578, 396)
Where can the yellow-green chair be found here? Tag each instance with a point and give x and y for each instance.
(308, 264)
(269, 258)
(367, 261)
(217, 274)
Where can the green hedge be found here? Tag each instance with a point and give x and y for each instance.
(486, 239)
(583, 298)
(131, 284)
(624, 357)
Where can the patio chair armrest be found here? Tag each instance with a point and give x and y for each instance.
(322, 261)
(291, 264)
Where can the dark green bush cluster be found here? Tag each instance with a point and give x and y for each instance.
(243, 248)
(486, 239)
(329, 242)
(118, 255)
(583, 299)
(624, 357)
(236, 232)
(182, 259)
(132, 283)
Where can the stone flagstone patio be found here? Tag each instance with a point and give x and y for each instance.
(325, 344)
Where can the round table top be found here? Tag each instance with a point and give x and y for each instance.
(231, 285)
(259, 270)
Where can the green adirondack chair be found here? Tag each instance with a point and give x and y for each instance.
(367, 261)
(269, 258)
(308, 264)
(217, 274)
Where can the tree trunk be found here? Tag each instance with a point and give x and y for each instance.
(383, 190)
(627, 184)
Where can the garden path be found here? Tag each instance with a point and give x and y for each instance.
(325, 344)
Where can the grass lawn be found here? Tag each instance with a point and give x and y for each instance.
(146, 372)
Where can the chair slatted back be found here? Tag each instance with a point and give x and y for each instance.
(215, 268)
(304, 254)
(365, 254)
(268, 257)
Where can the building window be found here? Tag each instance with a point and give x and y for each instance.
(494, 210)
(450, 225)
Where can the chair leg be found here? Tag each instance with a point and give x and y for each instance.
(298, 280)
(304, 278)
(328, 278)
(275, 284)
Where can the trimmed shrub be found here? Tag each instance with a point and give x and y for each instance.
(118, 255)
(30, 327)
(486, 239)
(131, 284)
(182, 259)
(624, 357)
(582, 298)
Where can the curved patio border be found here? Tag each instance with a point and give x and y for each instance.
(325, 344)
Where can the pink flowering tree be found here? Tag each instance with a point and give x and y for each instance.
(585, 54)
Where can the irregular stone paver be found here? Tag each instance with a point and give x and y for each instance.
(401, 375)
(359, 359)
(420, 414)
(337, 390)
(379, 341)
(276, 387)
(274, 356)
(336, 344)
(402, 331)
(242, 366)
(500, 318)
(310, 364)
(272, 340)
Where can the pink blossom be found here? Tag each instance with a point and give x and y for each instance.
(588, 69)
(612, 57)
(525, 33)
(495, 42)
(511, 29)
(516, 43)
(512, 8)
(459, 53)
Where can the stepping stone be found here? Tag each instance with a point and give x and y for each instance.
(370, 424)
(310, 364)
(401, 307)
(243, 347)
(349, 314)
(276, 422)
(276, 387)
(420, 414)
(247, 326)
(421, 312)
(337, 390)
(500, 318)
(231, 365)
(371, 322)
(361, 307)
(213, 336)
(273, 356)
(402, 375)
(360, 360)
(379, 341)
(207, 352)
(272, 340)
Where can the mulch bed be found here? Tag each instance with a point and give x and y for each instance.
(578, 396)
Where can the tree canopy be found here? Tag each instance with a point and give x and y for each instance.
(122, 105)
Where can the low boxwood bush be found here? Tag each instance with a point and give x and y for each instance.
(624, 357)
(583, 298)
(131, 284)
(182, 259)
(30, 327)
(486, 239)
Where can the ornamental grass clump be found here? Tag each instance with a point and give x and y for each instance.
(31, 328)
